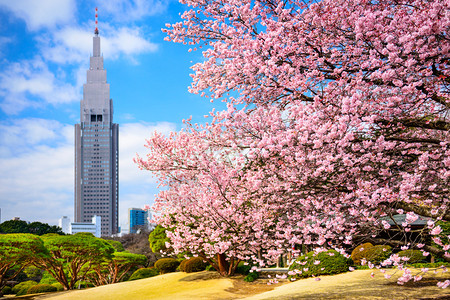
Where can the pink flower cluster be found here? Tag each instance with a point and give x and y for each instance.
(338, 119)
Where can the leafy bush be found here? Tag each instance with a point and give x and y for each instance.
(431, 265)
(83, 284)
(193, 264)
(251, 277)
(59, 287)
(377, 254)
(243, 268)
(166, 265)
(41, 288)
(323, 263)
(210, 268)
(47, 278)
(144, 273)
(181, 265)
(357, 253)
(415, 256)
(22, 288)
(7, 290)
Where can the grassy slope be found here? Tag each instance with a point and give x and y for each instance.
(351, 285)
(166, 286)
(359, 285)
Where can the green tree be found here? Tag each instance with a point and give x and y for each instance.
(116, 245)
(113, 270)
(14, 226)
(18, 251)
(158, 239)
(73, 256)
(39, 228)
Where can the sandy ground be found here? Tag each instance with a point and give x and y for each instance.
(208, 285)
(359, 285)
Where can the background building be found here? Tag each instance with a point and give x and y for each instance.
(96, 150)
(138, 218)
(71, 228)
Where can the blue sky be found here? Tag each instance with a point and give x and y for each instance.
(44, 54)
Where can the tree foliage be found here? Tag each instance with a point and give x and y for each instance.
(18, 251)
(73, 256)
(158, 239)
(114, 269)
(19, 226)
(337, 120)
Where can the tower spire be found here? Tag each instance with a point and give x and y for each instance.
(96, 21)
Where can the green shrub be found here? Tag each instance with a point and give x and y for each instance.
(22, 288)
(59, 287)
(357, 253)
(41, 288)
(431, 265)
(7, 290)
(243, 268)
(377, 254)
(144, 273)
(193, 264)
(415, 256)
(47, 278)
(323, 263)
(210, 268)
(83, 284)
(181, 265)
(251, 277)
(167, 265)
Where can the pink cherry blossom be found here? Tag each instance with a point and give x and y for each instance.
(337, 120)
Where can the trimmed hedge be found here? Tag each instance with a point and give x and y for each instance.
(323, 263)
(41, 288)
(193, 264)
(415, 256)
(22, 288)
(59, 287)
(377, 254)
(7, 290)
(167, 265)
(357, 253)
(143, 273)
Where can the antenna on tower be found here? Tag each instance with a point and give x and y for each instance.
(96, 21)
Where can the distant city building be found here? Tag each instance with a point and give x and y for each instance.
(97, 150)
(139, 218)
(64, 224)
(71, 228)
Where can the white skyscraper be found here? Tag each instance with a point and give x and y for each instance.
(97, 150)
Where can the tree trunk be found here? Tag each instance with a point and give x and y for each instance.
(222, 263)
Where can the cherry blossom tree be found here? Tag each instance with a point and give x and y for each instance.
(338, 119)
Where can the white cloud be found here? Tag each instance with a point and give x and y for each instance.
(74, 45)
(29, 83)
(4, 42)
(127, 41)
(126, 10)
(131, 142)
(137, 187)
(42, 13)
(37, 169)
